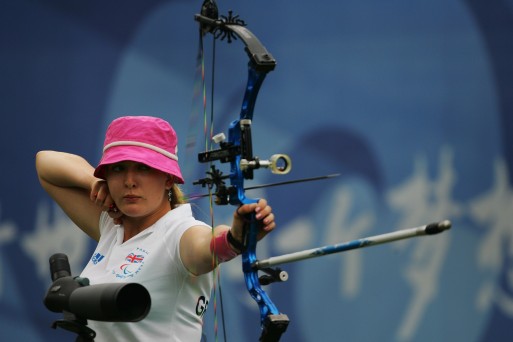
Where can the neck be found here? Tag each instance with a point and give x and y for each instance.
(135, 225)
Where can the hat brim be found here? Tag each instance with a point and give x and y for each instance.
(139, 154)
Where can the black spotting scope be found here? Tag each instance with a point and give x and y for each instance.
(110, 302)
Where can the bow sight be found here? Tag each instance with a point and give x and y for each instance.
(227, 153)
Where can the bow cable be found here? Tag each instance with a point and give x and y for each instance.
(208, 129)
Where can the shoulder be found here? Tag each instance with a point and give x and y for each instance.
(172, 227)
(180, 219)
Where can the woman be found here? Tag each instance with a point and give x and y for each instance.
(131, 204)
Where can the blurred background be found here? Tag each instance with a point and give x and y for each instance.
(410, 101)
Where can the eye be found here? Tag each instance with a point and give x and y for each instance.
(118, 167)
(143, 167)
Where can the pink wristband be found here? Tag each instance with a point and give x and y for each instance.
(220, 246)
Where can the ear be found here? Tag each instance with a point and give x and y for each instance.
(169, 182)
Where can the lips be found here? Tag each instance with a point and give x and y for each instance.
(131, 198)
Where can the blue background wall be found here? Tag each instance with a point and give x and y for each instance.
(411, 101)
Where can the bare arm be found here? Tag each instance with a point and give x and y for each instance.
(195, 243)
(69, 180)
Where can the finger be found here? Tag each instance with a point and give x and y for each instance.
(268, 222)
(268, 228)
(246, 209)
(262, 202)
(264, 230)
(95, 189)
(101, 199)
(263, 212)
(109, 205)
(94, 194)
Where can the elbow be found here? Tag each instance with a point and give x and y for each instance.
(40, 158)
(42, 162)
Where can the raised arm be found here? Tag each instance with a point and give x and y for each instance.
(69, 180)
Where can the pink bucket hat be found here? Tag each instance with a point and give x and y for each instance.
(144, 139)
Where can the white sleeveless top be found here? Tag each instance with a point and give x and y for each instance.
(152, 259)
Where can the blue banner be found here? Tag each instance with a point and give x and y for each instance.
(411, 102)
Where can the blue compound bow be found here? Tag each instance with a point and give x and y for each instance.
(238, 151)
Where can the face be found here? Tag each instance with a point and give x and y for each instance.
(138, 190)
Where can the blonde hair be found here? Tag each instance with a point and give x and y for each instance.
(177, 196)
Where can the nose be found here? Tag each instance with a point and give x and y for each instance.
(130, 182)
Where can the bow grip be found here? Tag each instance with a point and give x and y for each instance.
(272, 321)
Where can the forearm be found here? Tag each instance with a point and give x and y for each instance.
(64, 170)
(223, 245)
(68, 179)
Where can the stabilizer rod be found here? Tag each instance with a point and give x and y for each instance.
(429, 229)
